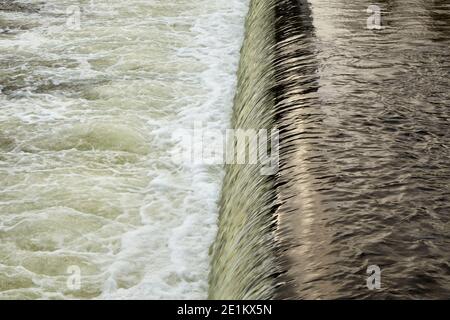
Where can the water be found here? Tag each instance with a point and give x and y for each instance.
(86, 122)
(87, 118)
(242, 265)
(364, 147)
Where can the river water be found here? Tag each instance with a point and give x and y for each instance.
(90, 94)
(88, 109)
(360, 207)
(368, 177)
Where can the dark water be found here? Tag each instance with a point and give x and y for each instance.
(364, 172)
(365, 149)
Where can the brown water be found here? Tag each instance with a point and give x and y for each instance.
(367, 175)
(365, 146)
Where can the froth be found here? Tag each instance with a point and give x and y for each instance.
(86, 137)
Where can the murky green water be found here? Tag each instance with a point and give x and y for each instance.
(87, 114)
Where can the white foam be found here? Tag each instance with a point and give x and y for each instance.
(146, 67)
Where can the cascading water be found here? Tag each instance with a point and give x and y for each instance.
(363, 115)
(87, 116)
(243, 263)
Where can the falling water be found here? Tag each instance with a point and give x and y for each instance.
(363, 115)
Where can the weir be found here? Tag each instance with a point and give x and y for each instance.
(364, 148)
(247, 220)
(275, 74)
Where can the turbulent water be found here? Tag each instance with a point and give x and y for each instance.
(364, 180)
(87, 114)
(92, 93)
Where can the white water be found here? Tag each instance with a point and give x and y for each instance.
(86, 123)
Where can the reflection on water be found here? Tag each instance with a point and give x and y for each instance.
(365, 176)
